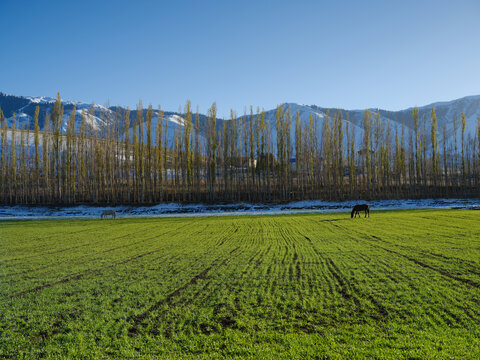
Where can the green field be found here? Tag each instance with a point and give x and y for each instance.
(401, 284)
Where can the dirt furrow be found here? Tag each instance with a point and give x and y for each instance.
(89, 272)
(427, 266)
(472, 266)
(138, 319)
(80, 257)
(74, 247)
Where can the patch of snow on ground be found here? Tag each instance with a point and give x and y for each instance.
(187, 210)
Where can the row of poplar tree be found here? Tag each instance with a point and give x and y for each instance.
(131, 163)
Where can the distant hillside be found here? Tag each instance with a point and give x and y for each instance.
(243, 164)
(24, 108)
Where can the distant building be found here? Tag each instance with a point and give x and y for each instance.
(363, 151)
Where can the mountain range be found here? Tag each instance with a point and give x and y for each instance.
(24, 108)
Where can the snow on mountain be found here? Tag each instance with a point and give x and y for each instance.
(177, 120)
(446, 111)
(98, 117)
(41, 99)
(318, 115)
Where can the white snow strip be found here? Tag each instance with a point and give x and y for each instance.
(236, 209)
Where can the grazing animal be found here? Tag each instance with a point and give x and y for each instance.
(357, 208)
(108, 213)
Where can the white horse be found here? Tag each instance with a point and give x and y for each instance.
(106, 213)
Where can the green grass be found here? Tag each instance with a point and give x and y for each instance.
(401, 284)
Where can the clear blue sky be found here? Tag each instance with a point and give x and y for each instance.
(350, 54)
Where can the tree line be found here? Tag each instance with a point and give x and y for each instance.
(241, 160)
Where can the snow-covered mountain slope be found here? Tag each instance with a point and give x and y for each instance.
(448, 110)
(445, 111)
(318, 116)
(24, 109)
(98, 117)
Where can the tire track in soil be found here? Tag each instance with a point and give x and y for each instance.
(43, 254)
(426, 266)
(143, 240)
(138, 319)
(90, 272)
(294, 270)
(63, 281)
(332, 267)
(297, 265)
(256, 264)
(212, 290)
(341, 281)
(63, 235)
(377, 304)
(80, 257)
(472, 267)
(73, 247)
(222, 240)
(78, 276)
(62, 314)
(345, 284)
(51, 252)
(379, 261)
(321, 259)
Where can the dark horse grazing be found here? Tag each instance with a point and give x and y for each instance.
(357, 208)
(106, 213)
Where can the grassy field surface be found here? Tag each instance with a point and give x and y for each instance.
(401, 284)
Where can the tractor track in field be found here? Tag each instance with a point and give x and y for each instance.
(130, 244)
(296, 263)
(222, 240)
(427, 266)
(421, 251)
(52, 252)
(64, 235)
(198, 293)
(472, 267)
(138, 319)
(45, 335)
(294, 268)
(250, 261)
(143, 240)
(380, 308)
(201, 231)
(285, 254)
(70, 248)
(84, 273)
(90, 272)
(80, 257)
(345, 284)
(43, 254)
(259, 262)
(49, 285)
(96, 242)
(231, 286)
(285, 268)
